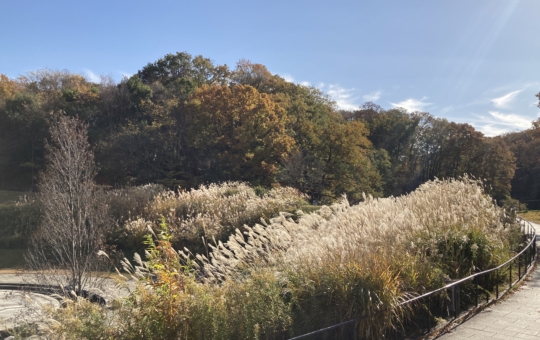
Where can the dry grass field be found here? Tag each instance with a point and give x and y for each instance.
(531, 215)
(9, 198)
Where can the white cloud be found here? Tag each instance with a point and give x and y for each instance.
(504, 101)
(498, 123)
(513, 120)
(288, 78)
(344, 98)
(94, 78)
(490, 130)
(412, 104)
(373, 96)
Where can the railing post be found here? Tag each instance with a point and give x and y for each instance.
(486, 286)
(528, 257)
(454, 301)
(429, 313)
(510, 275)
(533, 251)
(497, 284)
(476, 281)
(519, 267)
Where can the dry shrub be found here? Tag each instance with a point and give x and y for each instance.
(127, 208)
(216, 210)
(131, 202)
(77, 319)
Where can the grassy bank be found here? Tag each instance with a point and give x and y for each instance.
(9, 198)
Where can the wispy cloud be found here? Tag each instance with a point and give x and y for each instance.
(490, 130)
(412, 104)
(504, 101)
(94, 78)
(512, 120)
(497, 123)
(345, 98)
(305, 83)
(373, 96)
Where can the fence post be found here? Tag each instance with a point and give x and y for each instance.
(528, 257)
(454, 301)
(510, 275)
(476, 281)
(497, 284)
(429, 313)
(519, 267)
(486, 286)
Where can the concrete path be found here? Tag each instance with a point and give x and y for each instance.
(14, 305)
(516, 317)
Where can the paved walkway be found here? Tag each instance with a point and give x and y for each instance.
(516, 317)
(14, 305)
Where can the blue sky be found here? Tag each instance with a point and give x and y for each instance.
(474, 62)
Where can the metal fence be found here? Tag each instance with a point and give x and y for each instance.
(454, 301)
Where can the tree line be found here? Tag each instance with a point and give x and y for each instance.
(184, 121)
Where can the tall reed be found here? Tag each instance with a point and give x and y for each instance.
(286, 276)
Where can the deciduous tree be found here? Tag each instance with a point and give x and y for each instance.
(64, 248)
(237, 133)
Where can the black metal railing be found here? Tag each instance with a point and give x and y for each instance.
(448, 302)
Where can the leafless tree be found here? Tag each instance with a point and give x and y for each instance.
(64, 248)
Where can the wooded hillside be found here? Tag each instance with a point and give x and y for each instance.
(184, 121)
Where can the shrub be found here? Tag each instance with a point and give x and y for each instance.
(127, 208)
(216, 210)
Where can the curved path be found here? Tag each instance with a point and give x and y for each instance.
(14, 307)
(14, 303)
(515, 317)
